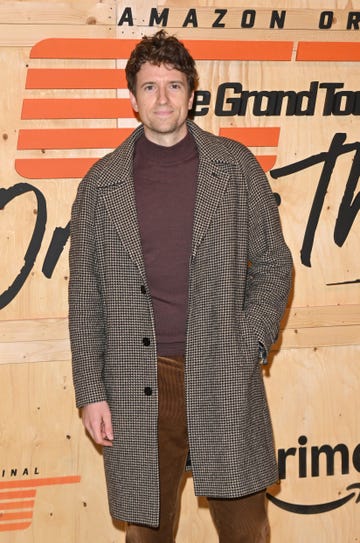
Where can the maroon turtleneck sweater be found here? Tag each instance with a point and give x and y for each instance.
(165, 188)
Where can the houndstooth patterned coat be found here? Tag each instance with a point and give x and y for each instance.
(232, 307)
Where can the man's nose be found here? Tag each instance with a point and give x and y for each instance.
(162, 95)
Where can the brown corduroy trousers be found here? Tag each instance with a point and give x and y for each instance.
(241, 520)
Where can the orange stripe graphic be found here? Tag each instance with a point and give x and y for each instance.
(26, 504)
(76, 108)
(76, 48)
(109, 48)
(97, 138)
(17, 494)
(16, 516)
(67, 168)
(6, 526)
(256, 137)
(58, 78)
(72, 138)
(14, 526)
(88, 48)
(330, 51)
(53, 168)
(266, 161)
(26, 483)
(253, 136)
(239, 50)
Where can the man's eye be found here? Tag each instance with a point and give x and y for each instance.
(148, 88)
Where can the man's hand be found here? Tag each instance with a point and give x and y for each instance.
(96, 418)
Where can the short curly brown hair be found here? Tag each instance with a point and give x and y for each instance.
(161, 49)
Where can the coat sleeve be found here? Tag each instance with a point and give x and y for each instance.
(270, 266)
(86, 320)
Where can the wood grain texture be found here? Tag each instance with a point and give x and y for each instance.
(311, 381)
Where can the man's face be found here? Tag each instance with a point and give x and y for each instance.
(162, 101)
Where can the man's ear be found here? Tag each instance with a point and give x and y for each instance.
(191, 100)
(133, 101)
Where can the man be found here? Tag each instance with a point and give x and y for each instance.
(179, 275)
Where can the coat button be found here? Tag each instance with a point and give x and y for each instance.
(148, 391)
(146, 341)
(143, 289)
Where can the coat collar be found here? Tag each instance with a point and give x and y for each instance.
(214, 160)
(117, 189)
(211, 149)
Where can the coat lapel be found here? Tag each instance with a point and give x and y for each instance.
(117, 189)
(120, 204)
(212, 181)
(119, 196)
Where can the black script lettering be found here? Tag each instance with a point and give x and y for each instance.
(302, 464)
(217, 23)
(285, 102)
(329, 453)
(159, 18)
(56, 247)
(265, 103)
(220, 100)
(344, 219)
(356, 458)
(277, 19)
(6, 195)
(126, 17)
(344, 103)
(310, 100)
(270, 102)
(191, 18)
(349, 206)
(14, 472)
(201, 104)
(248, 18)
(340, 103)
(282, 456)
(329, 97)
(302, 456)
(326, 19)
(353, 20)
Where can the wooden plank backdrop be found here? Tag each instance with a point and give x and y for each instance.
(51, 476)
